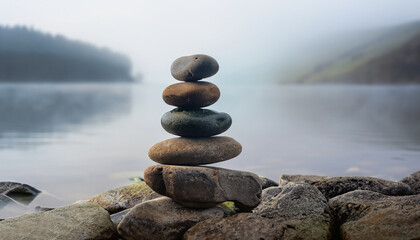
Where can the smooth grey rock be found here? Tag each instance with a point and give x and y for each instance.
(294, 200)
(19, 192)
(195, 122)
(162, 218)
(204, 186)
(117, 217)
(371, 215)
(78, 221)
(14, 187)
(413, 180)
(267, 182)
(193, 68)
(191, 94)
(195, 151)
(334, 186)
(43, 209)
(124, 197)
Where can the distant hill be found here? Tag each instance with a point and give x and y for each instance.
(29, 55)
(387, 56)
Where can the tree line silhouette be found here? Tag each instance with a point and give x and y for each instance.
(30, 55)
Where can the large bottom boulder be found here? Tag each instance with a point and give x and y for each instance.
(203, 187)
(370, 215)
(78, 221)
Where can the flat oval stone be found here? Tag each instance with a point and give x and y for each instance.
(193, 68)
(195, 123)
(191, 94)
(195, 151)
(204, 186)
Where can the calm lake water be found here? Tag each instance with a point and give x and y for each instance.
(73, 141)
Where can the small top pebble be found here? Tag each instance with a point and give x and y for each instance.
(193, 68)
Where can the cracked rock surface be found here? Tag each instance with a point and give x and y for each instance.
(363, 214)
(295, 211)
(334, 186)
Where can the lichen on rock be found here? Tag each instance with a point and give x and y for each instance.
(124, 197)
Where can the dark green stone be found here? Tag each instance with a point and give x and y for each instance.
(195, 123)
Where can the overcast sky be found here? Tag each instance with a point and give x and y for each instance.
(239, 34)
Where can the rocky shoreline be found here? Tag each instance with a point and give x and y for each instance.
(296, 207)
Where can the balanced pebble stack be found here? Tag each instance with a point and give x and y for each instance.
(181, 177)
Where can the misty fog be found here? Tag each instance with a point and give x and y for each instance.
(248, 38)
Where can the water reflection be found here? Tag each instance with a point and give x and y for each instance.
(29, 112)
(387, 114)
(374, 113)
(104, 133)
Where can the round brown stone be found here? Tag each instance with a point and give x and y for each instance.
(191, 94)
(194, 151)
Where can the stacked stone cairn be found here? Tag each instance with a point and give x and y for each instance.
(181, 176)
